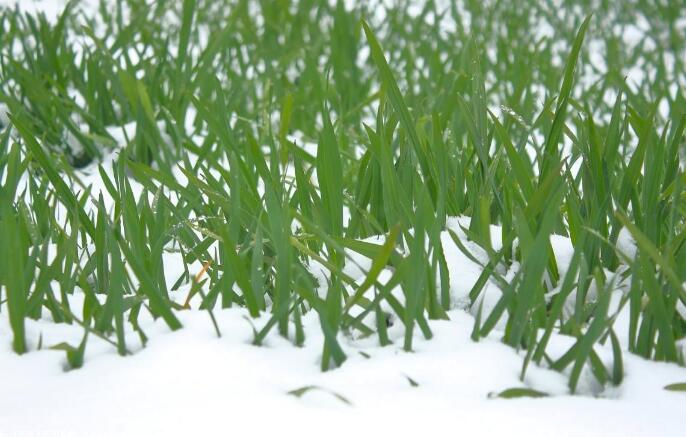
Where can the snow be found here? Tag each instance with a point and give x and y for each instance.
(51, 8)
(190, 381)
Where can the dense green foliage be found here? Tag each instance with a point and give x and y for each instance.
(418, 115)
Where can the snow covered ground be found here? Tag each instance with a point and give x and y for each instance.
(191, 383)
